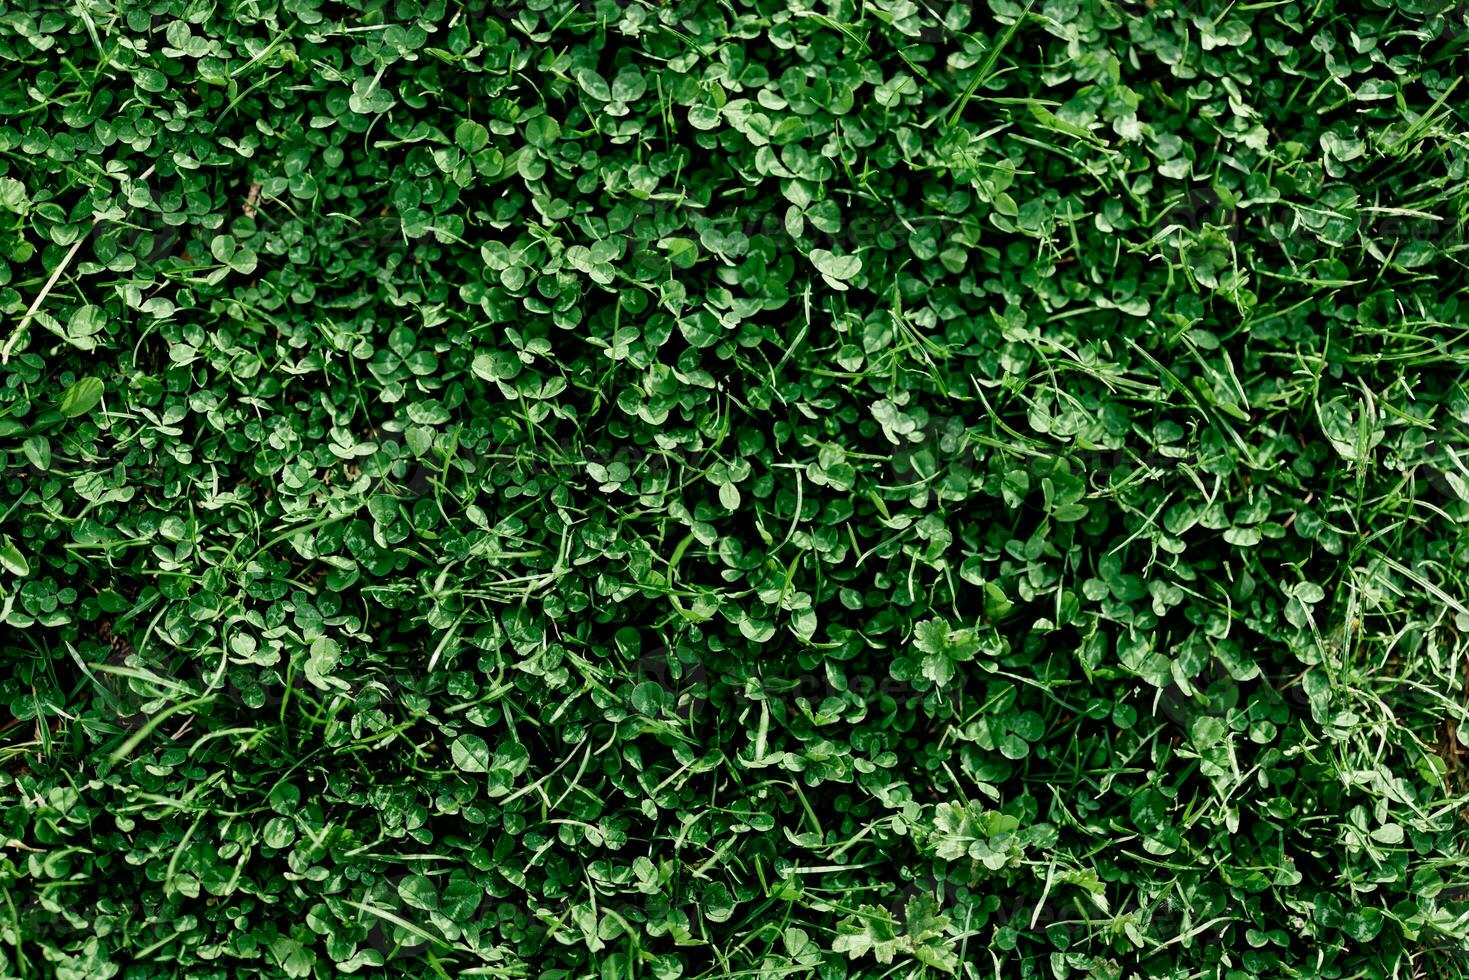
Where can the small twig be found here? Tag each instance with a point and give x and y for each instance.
(19, 330)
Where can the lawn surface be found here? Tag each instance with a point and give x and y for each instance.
(847, 489)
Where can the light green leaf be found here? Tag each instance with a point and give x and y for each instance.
(38, 451)
(418, 891)
(871, 931)
(460, 899)
(368, 97)
(471, 136)
(840, 267)
(471, 754)
(13, 196)
(321, 661)
(81, 397)
(11, 559)
(542, 131)
(86, 321)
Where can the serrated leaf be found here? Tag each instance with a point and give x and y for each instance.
(871, 931)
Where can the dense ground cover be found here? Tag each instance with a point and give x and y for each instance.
(636, 489)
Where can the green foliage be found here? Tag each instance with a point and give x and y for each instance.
(711, 488)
